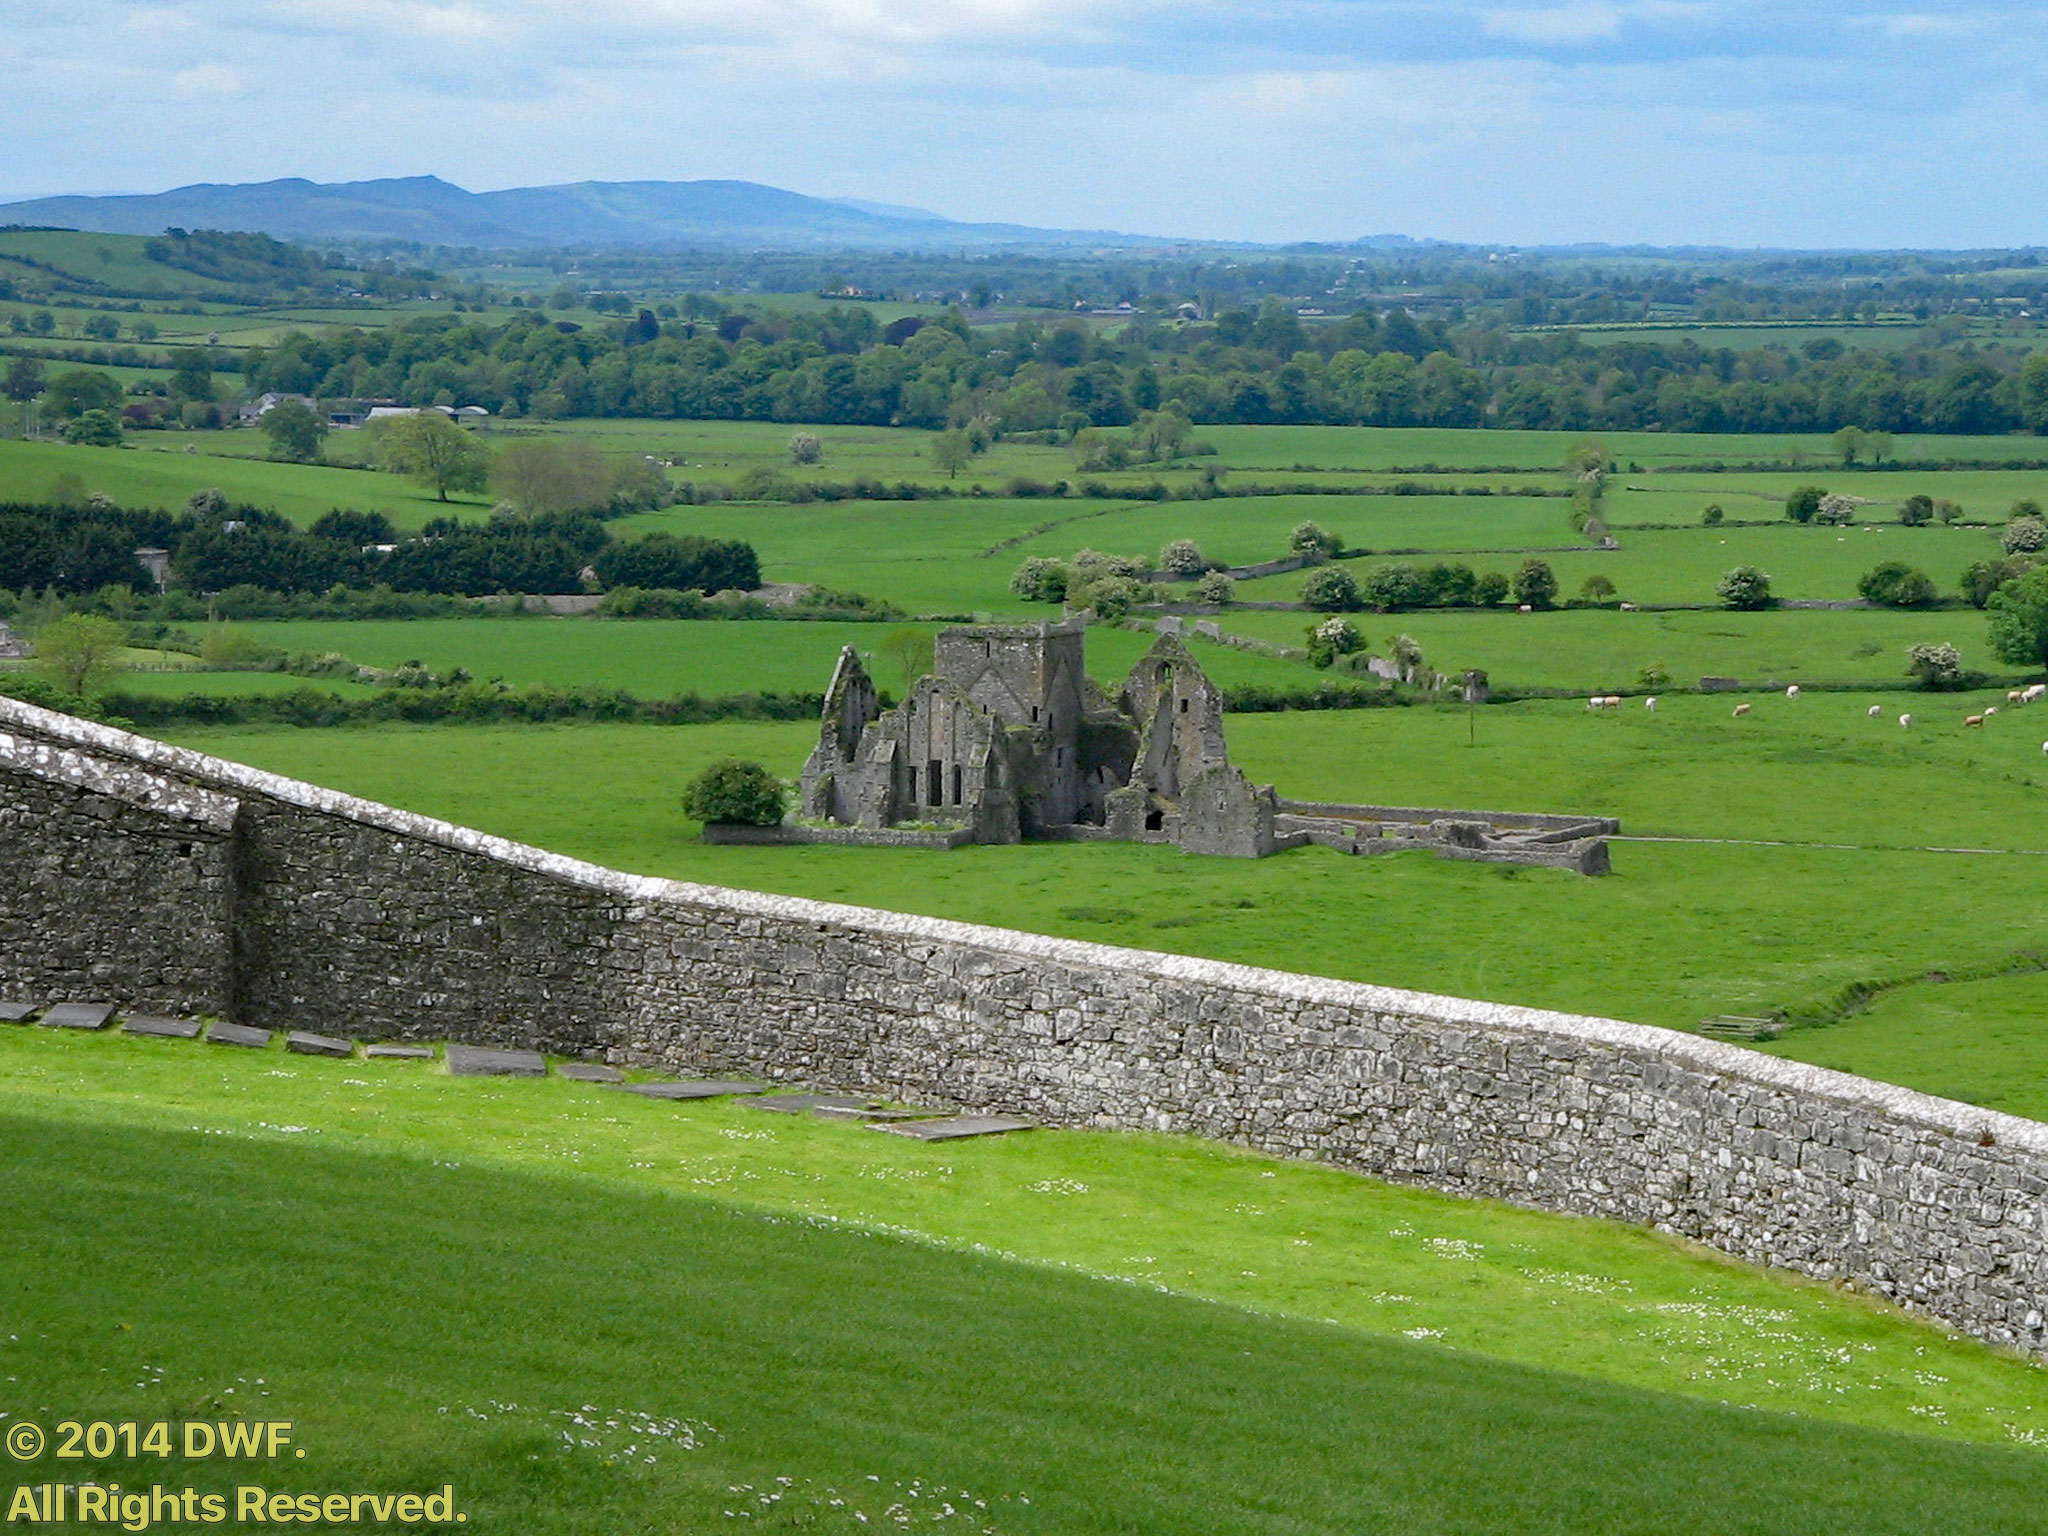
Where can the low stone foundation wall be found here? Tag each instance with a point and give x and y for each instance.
(792, 835)
(304, 907)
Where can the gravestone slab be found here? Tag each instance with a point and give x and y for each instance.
(238, 1034)
(703, 1088)
(158, 1025)
(78, 1016)
(813, 1103)
(17, 1013)
(955, 1128)
(484, 1061)
(400, 1052)
(589, 1072)
(304, 1043)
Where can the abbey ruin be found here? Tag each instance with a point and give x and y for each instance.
(1008, 738)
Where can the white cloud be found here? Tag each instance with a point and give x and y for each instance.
(1560, 24)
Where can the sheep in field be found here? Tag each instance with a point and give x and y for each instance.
(2035, 694)
(1973, 720)
(2015, 695)
(1876, 710)
(1792, 691)
(1905, 722)
(1650, 704)
(1741, 710)
(1990, 712)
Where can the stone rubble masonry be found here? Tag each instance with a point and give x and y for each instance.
(300, 907)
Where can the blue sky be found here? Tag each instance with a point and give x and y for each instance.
(1731, 122)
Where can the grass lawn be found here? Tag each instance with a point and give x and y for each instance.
(807, 1321)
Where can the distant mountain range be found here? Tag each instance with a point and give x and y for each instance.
(430, 211)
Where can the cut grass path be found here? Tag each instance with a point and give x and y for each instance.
(1307, 1262)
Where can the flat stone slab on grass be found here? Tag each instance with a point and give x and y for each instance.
(817, 1104)
(399, 1052)
(484, 1061)
(703, 1088)
(955, 1128)
(17, 1013)
(589, 1072)
(238, 1034)
(78, 1016)
(304, 1043)
(157, 1025)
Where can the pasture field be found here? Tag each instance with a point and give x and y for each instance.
(656, 658)
(1388, 448)
(1602, 651)
(1282, 1339)
(161, 473)
(1799, 862)
(1679, 496)
(1685, 565)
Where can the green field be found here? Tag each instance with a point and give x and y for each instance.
(796, 1325)
(1682, 930)
(1601, 651)
(158, 472)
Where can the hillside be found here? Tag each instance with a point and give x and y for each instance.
(430, 211)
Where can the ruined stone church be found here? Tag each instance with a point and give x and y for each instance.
(1009, 738)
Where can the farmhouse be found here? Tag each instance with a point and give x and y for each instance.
(1009, 738)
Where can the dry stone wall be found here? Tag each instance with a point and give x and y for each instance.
(330, 913)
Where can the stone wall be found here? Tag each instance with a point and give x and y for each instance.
(360, 920)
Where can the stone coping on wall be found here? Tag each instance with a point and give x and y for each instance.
(1913, 1110)
(121, 781)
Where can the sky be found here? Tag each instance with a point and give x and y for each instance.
(1800, 123)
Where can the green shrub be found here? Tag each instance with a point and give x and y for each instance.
(1895, 584)
(1803, 503)
(733, 793)
(1536, 584)
(1330, 589)
(1745, 588)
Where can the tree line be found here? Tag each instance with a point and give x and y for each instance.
(1268, 365)
(213, 545)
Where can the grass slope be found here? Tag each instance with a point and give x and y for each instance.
(748, 1281)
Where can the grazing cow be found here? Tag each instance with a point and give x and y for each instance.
(1876, 710)
(1905, 722)
(1650, 704)
(1792, 692)
(1741, 709)
(1973, 720)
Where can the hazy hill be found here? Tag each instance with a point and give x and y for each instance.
(586, 213)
